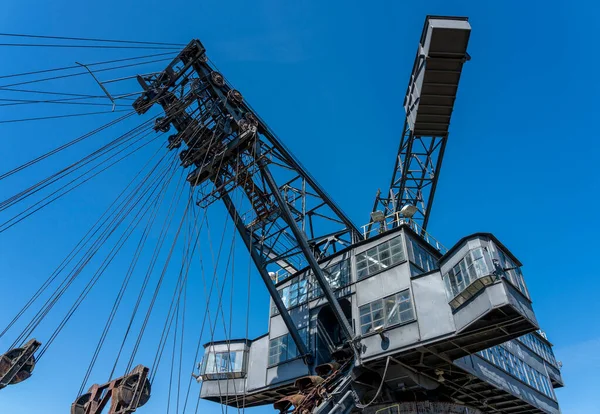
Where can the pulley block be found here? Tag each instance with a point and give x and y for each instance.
(217, 79)
(126, 394)
(235, 96)
(17, 364)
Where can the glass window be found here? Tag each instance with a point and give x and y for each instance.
(223, 362)
(512, 272)
(386, 312)
(380, 257)
(541, 348)
(421, 257)
(502, 358)
(371, 316)
(284, 348)
(293, 295)
(337, 275)
(470, 268)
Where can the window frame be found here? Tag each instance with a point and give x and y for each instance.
(412, 247)
(213, 360)
(460, 276)
(502, 358)
(289, 344)
(382, 306)
(370, 260)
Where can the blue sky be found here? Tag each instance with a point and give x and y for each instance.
(329, 78)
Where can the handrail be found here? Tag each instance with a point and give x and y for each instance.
(396, 219)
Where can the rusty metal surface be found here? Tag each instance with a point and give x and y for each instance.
(125, 394)
(17, 364)
(326, 369)
(306, 383)
(284, 404)
(313, 390)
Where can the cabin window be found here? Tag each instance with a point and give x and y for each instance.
(512, 272)
(539, 347)
(222, 365)
(470, 268)
(337, 275)
(420, 258)
(510, 363)
(284, 348)
(380, 257)
(383, 313)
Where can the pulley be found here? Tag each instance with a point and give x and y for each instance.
(217, 79)
(17, 364)
(126, 394)
(174, 141)
(162, 124)
(235, 96)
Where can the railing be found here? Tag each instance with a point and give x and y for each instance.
(279, 275)
(396, 219)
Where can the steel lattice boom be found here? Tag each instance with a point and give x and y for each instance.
(292, 223)
(428, 103)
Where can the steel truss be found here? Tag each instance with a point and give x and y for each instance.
(291, 223)
(415, 176)
(428, 103)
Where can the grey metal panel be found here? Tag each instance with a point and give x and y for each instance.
(383, 284)
(226, 347)
(217, 388)
(257, 364)
(395, 279)
(481, 304)
(399, 337)
(554, 373)
(497, 295)
(492, 375)
(277, 327)
(368, 290)
(520, 302)
(433, 312)
(287, 371)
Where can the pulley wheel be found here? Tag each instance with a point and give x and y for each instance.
(251, 118)
(78, 407)
(243, 125)
(6, 362)
(160, 125)
(124, 393)
(217, 79)
(235, 96)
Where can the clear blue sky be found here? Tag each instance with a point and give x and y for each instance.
(329, 77)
